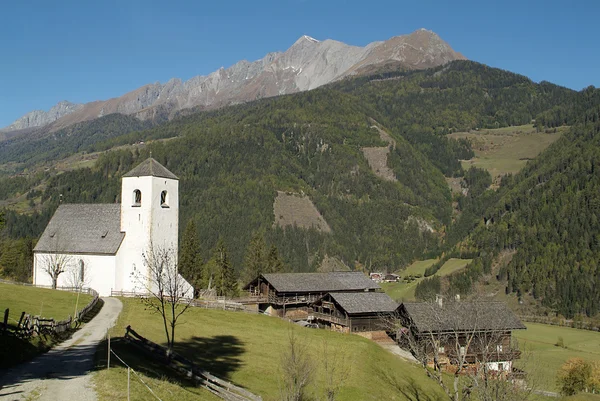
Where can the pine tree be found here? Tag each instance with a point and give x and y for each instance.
(273, 262)
(226, 284)
(190, 263)
(254, 260)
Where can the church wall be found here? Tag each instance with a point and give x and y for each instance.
(99, 271)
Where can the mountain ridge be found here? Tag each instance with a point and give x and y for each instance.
(307, 64)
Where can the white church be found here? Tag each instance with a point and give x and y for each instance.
(102, 245)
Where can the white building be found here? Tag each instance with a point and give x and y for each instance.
(104, 244)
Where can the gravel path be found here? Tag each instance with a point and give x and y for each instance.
(63, 372)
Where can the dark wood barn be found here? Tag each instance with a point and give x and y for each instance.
(289, 294)
(460, 333)
(354, 311)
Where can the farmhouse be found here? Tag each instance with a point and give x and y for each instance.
(289, 294)
(353, 311)
(102, 245)
(461, 333)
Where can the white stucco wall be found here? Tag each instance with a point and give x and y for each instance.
(506, 366)
(146, 224)
(99, 271)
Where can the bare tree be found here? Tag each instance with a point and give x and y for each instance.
(78, 274)
(336, 369)
(54, 264)
(469, 340)
(296, 369)
(167, 292)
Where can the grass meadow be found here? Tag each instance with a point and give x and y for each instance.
(403, 291)
(247, 349)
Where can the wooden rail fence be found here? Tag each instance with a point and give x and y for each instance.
(28, 326)
(220, 388)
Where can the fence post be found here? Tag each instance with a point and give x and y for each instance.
(108, 361)
(5, 327)
(128, 370)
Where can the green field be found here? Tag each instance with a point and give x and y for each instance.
(506, 150)
(544, 358)
(39, 302)
(403, 291)
(35, 301)
(246, 349)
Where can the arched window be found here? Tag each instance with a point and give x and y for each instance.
(164, 199)
(81, 271)
(137, 198)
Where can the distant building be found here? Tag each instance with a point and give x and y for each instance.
(377, 277)
(354, 311)
(289, 294)
(473, 332)
(103, 244)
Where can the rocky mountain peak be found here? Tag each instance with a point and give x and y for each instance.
(307, 64)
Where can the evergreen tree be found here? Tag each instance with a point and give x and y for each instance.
(226, 284)
(254, 260)
(273, 262)
(190, 261)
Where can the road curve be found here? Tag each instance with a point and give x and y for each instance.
(63, 372)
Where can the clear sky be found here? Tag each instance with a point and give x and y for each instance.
(91, 50)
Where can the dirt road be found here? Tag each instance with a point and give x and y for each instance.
(63, 373)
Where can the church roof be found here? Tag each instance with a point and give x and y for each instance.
(151, 167)
(81, 228)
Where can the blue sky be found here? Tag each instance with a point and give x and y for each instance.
(92, 50)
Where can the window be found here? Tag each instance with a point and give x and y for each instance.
(163, 199)
(137, 198)
(462, 350)
(499, 347)
(441, 350)
(81, 271)
(500, 366)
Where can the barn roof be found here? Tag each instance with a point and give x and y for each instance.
(364, 302)
(320, 282)
(461, 316)
(81, 228)
(151, 167)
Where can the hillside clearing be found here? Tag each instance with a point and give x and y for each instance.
(506, 150)
(538, 344)
(298, 210)
(405, 291)
(246, 349)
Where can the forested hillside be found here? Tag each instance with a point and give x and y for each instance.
(549, 214)
(232, 161)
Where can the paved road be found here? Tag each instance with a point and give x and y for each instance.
(63, 372)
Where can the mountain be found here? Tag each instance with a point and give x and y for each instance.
(306, 65)
(39, 118)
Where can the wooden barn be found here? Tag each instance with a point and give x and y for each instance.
(460, 333)
(290, 294)
(353, 311)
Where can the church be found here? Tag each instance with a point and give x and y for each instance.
(102, 245)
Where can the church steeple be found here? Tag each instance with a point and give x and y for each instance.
(152, 168)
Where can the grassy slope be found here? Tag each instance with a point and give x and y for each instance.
(538, 344)
(56, 304)
(39, 301)
(406, 291)
(246, 349)
(506, 150)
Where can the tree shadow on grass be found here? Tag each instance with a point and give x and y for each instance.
(409, 388)
(219, 355)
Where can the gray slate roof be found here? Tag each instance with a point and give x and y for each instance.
(461, 316)
(151, 167)
(81, 228)
(364, 302)
(320, 282)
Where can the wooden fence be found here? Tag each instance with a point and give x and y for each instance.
(220, 388)
(216, 303)
(28, 325)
